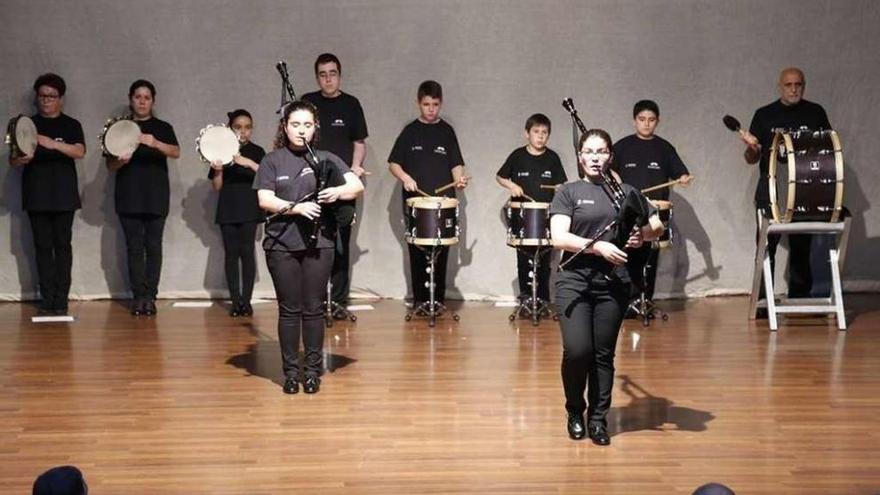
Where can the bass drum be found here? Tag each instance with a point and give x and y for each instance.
(807, 168)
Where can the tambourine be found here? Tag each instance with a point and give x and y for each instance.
(21, 136)
(120, 137)
(217, 143)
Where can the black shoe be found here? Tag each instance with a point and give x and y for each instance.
(137, 307)
(761, 314)
(599, 435)
(312, 385)
(60, 308)
(246, 309)
(291, 386)
(46, 308)
(150, 308)
(235, 310)
(576, 428)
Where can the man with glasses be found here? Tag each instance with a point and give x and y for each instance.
(343, 131)
(49, 190)
(790, 112)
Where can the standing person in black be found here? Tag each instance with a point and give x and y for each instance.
(426, 156)
(523, 173)
(593, 290)
(642, 160)
(142, 196)
(238, 213)
(344, 133)
(299, 242)
(790, 112)
(49, 190)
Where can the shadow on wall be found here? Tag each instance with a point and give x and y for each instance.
(198, 208)
(860, 264)
(99, 210)
(397, 222)
(686, 226)
(21, 242)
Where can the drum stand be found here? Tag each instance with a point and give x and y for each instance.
(644, 307)
(431, 308)
(335, 311)
(533, 307)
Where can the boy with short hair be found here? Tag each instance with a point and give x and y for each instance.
(523, 173)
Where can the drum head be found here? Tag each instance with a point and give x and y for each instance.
(660, 204)
(217, 143)
(431, 202)
(122, 138)
(25, 135)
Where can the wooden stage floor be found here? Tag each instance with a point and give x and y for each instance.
(190, 402)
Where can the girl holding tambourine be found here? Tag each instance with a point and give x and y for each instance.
(238, 213)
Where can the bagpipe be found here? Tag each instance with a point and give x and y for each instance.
(632, 207)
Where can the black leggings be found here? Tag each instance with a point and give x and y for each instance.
(238, 245)
(300, 279)
(590, 313)
(143, 239)
(52, 232)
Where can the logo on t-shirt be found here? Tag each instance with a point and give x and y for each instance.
(522, 174)
(654, 166)
(338, 123)
(417, 147)
(306, 171)
(630, 165)
(440, 150)
(586, 202)
(547, 174)
(283, 177)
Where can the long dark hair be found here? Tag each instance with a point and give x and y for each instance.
(281, 140)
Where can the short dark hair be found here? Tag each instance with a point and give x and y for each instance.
(326, 58)
(537, 119)
(281, 140)
(241, 112)
(430, 88)
(61, 479)
(53, 81)
(141, 83)
(713, 489)
(643, 105)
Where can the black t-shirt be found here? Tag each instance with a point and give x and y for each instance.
(238, 200)
(342, 123)
(778, 116)
(643, 163)
(142, 184)
(530, 172)
(290, 176)
(428, 153)
(48, 181)
(590, 210)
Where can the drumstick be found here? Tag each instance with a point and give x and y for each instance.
(423, 193)
(661, 186)
(546, 186)
(447, 186)
(528, 197)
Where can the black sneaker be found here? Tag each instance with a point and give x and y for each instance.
(149, 308)
(137, 307)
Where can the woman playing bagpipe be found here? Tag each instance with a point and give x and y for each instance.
(593, 221)
(298, 186)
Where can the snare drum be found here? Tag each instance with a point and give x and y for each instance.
(528, 224)
(432, 221)
(810, 177)
(217, 142)
(21, 136)
(664, 211)
(120, 137)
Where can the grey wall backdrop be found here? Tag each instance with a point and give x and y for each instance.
(498, 61)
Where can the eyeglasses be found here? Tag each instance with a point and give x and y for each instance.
(50, 97)
(602, 152)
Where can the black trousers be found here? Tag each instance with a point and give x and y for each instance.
(143, 239)
(52, 232)
(340, 278)
(642, 265)
(238, 248)
(800, 277)
(524, 261)
(300, 279)
(590, 313)
(418, 265)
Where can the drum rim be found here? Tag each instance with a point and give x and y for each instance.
(659, 203)
(12, 137)
(432, 202)
(529, 205)
(791, 190)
